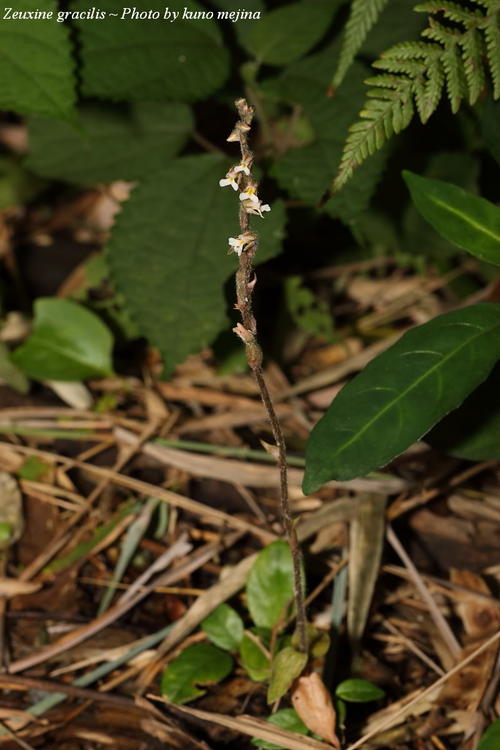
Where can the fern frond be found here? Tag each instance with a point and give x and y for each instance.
(363, 16)
(456, 47)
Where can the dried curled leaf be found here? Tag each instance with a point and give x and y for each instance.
(313, 703)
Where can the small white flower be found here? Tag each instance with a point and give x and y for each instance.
(229, 181)
(250, 194)
(258, 209)
(243, 166)
(238, 244)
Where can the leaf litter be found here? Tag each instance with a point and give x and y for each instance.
(130, 536)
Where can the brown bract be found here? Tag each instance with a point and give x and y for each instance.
(313, 703)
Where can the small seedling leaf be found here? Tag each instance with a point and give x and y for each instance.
(253, 658)
(491, 738)
(287, 666)
(224, 627)
(270, 584)
(285, 718)
(468, 221)
(403, 393)
(356, 690)
(68, 343)
(201, 664)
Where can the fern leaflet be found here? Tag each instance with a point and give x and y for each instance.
(458, 47)
(363, 16)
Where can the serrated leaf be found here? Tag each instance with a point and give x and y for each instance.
(253, 658)
(468, 221)
(128, 58)
(287, 665)
(68, 343)
(401, 394)
(286, 718)
(108, 142)
(473, 430)
(36, 63)
(168, 253)
(201, 664)
(356, 690)
(270, 584)
(491, 738)
(287, 33)
(224, 627)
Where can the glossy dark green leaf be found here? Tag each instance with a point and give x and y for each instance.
(108, 142)
(466, 220)
(403, 393)
(491, 738)
(201, 664)
(224, 627)
(286, 33)
(270, 584)
(473, 430)
(285, 718)
(68, 343)
(287, 665)
(253, 658)
(356, 690)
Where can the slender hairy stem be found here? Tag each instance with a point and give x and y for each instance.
(247, 331)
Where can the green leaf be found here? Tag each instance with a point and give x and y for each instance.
(307, 311)
(285, 718)
(287, 33)
(473, 430)
(10, 374)
(287, 665)
(401, 394)
(168, 253)
(128, 58)
(356, 690)
(36, 63)
(108, 142)
(468, 221)
(224, 627)
(253, 659)
(33, 468)
(17, 185)
(68, 343)
(270, 584)
(201, 664)
(491, 738)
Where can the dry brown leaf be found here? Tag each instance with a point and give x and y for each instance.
(313, 703)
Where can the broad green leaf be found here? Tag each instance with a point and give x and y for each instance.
(286, 718)
(10, 374)
(253, 658)
(17, 185)
(356, 690)
(201, 664)
(68, 343)
(108, 142)
(306, 172)
(36, 63)
(401, 394)
(490, 116)
(473, 430)
(270, 584)
(224, 627)
(466, 220)
(125, 57)
(287, 665)
(491, 738)
(242, 26)
(168, 253)
(287, 33)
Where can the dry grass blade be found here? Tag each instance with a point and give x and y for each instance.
(441, 624)
(253, 728)
(365, 552)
